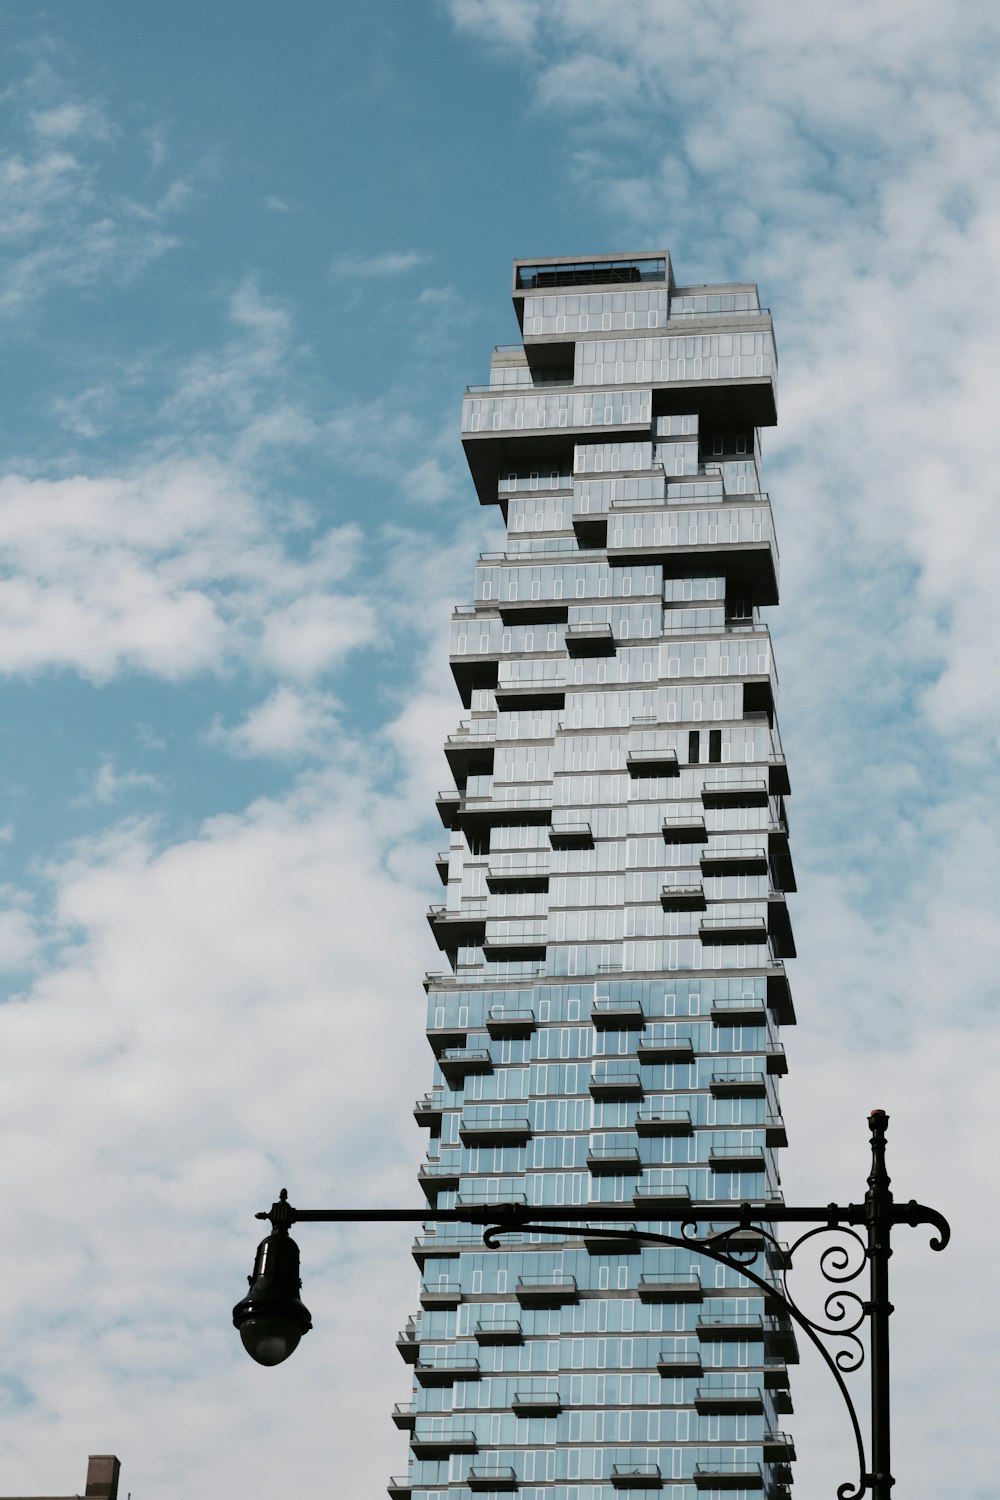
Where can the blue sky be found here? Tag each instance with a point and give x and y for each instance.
(249, 257)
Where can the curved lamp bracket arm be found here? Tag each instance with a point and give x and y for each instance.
(713, 1248)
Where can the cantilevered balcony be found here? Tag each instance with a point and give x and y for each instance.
(590, 640)
(440, 1293)
(445, 1369)
(510, 1020)
(739, 1010)
(457, 1062)
(461, 928)
(660, 1043)
(494, 1124)
(616, 1081)
(727, 790)
(660, 1194)
(498, 1331)
(435, 1177)
(683, 897)
(568, 833)
(617, 1015)
(663, 1119)
(660, 762)
(777, 1062)
(681, 1286)
(713, 1326)
(399, 1487)
(497, 1477)
(736, 1158)
(448, 803)
(734, 859)
(779, 927)
(684, 828)
(732, 930)
(537, 1399)
(437, 1439)
(408, 1343)
(428, 1109)
(618, 1159)
(543, 1289)
(729, 1474)
(404, 1415)
(679, 1357)
(721, 1396)
(629, 1476)
(511, 874)
(736, 1082)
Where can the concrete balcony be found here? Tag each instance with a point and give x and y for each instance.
(736, 1158)
(720, 1399)
(684, 1287)
(737, 859)
(734, 1085)
(540, 1401)
(457, 1062)
(404, 1415)
(661, 1197)
(617, 1015)
(713, 1327)
(464, 928)
(616, 1083)
(571, 835)
(684, 828)
(739, 1010)
(614, 1161)
(636, 1477)
(663, 1119)
(651, 763)
(447, 1368)
(498, 1331)
(679, 1363)
(440, 1294)
(428, 1109)
(438, 1442)
(657, 1045)
(511, 876)
(728, 931)
(496, 1478)
(435, 1177)
(542, 1290)
(590, 640)
(513, 1021)
(735, 1475)
(683, 897)
(729, 791)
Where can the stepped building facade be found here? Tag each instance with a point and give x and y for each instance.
(606, 1025)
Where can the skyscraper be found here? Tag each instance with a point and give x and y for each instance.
(607, 1025)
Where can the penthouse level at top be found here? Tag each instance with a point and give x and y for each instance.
(617, 321)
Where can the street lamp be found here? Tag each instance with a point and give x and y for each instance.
(272, 1318)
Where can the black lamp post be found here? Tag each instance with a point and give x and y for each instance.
(272, 1318)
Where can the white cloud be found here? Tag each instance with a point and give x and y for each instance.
(109, 785)
(61, 222)
(155, 1097)
(387, 263)
(288, 724)
(172, 570)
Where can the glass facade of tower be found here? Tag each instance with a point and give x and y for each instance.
(606, 1025)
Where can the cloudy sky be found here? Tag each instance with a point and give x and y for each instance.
(249, 256)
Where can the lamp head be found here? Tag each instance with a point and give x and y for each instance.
(272, 1317)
